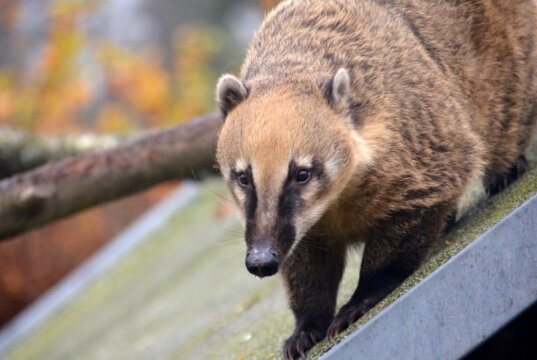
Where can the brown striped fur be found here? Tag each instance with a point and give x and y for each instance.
(442, 92)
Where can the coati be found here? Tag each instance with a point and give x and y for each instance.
(365, 121)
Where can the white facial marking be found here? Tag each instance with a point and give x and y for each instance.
(332, 167)
(226, 171)
(314, 214)
(241, 165)
(304, 161)
(240, 194)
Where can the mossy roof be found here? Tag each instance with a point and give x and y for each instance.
(185, 294)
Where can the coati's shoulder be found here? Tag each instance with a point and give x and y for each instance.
(399, 53)
(308, 37)
(366, 121)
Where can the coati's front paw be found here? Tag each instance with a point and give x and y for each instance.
(300, 342)
(347, 315)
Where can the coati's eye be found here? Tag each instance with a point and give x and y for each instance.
(243, 179)
(303, 176)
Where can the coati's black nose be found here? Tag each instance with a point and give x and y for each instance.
(262, 262)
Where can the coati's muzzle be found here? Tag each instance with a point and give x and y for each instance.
(261, 259)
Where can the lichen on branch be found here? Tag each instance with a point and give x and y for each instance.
(59, 189)
(21, 151)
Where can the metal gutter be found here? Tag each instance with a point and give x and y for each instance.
(461, 303)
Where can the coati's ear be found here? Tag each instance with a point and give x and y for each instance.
(230, 92)
(338, 90)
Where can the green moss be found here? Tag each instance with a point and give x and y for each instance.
(168, 296)
(184, 294)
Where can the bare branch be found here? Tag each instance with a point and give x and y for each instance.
(60, 189)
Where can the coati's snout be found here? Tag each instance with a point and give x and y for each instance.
(261, 258)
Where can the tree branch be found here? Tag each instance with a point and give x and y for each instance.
(60, 189)
(21, 152)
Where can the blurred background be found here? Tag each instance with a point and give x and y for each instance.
(96, 66)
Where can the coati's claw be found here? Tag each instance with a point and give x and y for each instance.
(345, 318)
(500, 181)
(300, 342)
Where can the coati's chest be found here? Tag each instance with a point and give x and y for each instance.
(351, 219)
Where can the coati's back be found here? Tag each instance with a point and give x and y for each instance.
(484, 49)
(365, 121)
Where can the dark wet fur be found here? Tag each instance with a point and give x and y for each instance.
(500, 181)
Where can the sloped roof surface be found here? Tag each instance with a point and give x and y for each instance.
(184, 292)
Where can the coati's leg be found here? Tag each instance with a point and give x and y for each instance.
(312, 274)
(390, 256)
(498, 182)
(372, 288)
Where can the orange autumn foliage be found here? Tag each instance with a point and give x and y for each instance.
(143, 89)
(55, 94)
(139, 91)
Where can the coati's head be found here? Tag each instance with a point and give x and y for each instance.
(287, 151)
